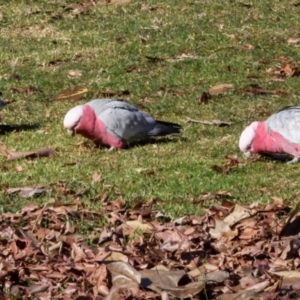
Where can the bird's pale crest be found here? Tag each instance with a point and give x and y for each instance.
(73, 116)
(247, 137)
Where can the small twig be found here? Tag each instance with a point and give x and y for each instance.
(213, 122)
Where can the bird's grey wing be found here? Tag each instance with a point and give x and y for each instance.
(286, 122)
(127, 124)
(100, 105)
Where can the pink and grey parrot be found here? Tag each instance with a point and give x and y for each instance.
(115, 123)
(279, 134)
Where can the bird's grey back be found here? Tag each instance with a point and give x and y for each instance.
(122, 119)
(286, 121)
(100, 105)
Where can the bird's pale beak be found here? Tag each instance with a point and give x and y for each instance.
(70, 132)
(248, 154)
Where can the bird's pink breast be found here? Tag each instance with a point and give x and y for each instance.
(273, 142)
(94, 129)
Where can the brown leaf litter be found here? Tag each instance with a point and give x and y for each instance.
(231, 252)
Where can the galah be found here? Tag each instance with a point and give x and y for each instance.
(115, 123)
(279, 134)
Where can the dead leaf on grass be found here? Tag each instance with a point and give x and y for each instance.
(182, 57)
(74, 73)
(73, 94)
(19, 168)
(247, 47)
(96, 177)
(293, 41)
(288, 71)
(144, 39)
(221, 89)
(145, 171)
(26, 192)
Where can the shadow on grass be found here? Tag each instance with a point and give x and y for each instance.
(20, 127)
(150, 141)
(284, 158)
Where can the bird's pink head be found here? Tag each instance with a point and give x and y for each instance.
(246, 139)
(72, 118)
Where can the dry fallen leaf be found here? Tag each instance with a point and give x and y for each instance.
(74, 73)
(293, 41)
(26, 192)
(19, 168)
(247, 47)
(73, 94)
(221, 89)
(288, 71)
(238, 213)
(130, 227)
(160, 280)
(123, 276)
(96, 177)
(182, 57)
(222, 229)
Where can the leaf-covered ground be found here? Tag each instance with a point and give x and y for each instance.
(69, 208)
(231, 252)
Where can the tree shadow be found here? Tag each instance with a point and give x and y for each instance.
(17, 127)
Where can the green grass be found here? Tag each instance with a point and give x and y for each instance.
(104, 43)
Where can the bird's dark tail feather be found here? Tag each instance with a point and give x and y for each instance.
(163, 128)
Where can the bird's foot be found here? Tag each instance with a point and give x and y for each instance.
(294, 160)
(111, 149)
